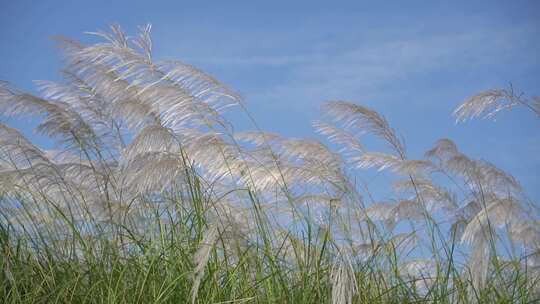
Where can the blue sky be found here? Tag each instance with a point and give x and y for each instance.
(412, 61)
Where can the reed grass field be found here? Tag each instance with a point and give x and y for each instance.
(151, 196)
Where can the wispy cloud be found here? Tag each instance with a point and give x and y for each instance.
(370, 66)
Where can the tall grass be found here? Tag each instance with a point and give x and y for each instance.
(150, 197)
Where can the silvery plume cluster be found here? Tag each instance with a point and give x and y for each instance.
(134, 135)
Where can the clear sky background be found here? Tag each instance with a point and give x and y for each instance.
(413, 61)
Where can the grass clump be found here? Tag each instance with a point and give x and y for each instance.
(150, 197)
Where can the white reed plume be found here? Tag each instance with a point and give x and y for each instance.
(201, 258)
(434, 196)
(380, 211)
(16, 151)
(526, 232)
(363, 120)
(60, 119)
(339, 136)
(154, 171)
(383, 161)
(488, 103)
(344, 285)
(259, 139)
(496, 214)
